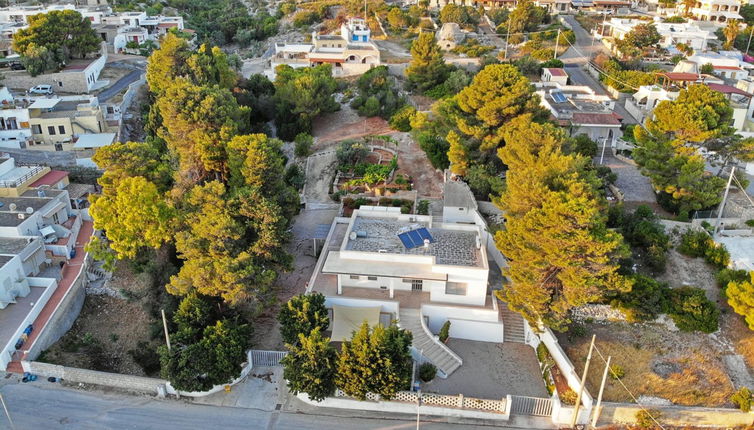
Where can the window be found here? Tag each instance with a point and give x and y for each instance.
(372, 278)
(354, 277)
(416, 284)
(36, 129)
(60, 83)
(61, 129)
(51, 130)
(455, 288)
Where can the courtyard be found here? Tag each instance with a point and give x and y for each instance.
(492, 371)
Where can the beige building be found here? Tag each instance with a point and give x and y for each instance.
(54, 122)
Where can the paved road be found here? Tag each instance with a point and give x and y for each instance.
(40, 407)
(584, 47)
(119, 85)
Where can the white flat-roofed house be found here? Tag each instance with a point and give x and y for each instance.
(581, 111)
(419, 270)
(350, 53)
(688, 33)
(717, 11)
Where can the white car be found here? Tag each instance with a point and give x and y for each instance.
(41, 90)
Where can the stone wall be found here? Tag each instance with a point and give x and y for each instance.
(85, 376)
(62, 320)
(677, 415)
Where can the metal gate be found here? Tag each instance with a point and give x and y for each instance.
(536, 406)
(266, 358)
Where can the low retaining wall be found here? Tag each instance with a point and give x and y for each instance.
(677, 415)
(85, 376)
(409, 406)
(63, 318)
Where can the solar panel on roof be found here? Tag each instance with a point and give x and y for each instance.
(407, 242)
(415, 238)
(558, 97)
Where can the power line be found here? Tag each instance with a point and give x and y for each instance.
(615, 376)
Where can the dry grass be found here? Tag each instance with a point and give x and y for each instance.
(681, 367)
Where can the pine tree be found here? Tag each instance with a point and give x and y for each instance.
(427, 68)
(302, 314)
(560, 253)
(376, 360)
(667, 148)
(310, 366)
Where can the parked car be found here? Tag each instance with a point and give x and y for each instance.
(17, 66)
(41, 90)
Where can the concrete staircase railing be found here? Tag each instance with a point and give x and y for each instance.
(425, 342)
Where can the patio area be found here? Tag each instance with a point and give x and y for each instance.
(492, 371)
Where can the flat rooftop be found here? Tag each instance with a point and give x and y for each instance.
(10, 218)
(11, 246)
(4, 258)
(450, 247)
(15, 314)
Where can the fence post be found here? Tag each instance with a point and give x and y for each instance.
(460, 400)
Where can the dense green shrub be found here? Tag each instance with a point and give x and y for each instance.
(647, 299)
(401, 119)
(692, 311)
(303, 144)
(717, 255)
(427, 372)
(436, 149)
(642, 230)
(742, 399)
(726, 276)
(644, 418)
(423, 207)
(694, 243)
(444, 331)
(617, 371)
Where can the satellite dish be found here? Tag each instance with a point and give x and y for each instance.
(12, 206)
(352, 236)
(30, 210)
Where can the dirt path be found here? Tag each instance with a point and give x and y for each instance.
(266, 328)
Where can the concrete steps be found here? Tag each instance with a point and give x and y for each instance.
(426, 344)
(513, 325)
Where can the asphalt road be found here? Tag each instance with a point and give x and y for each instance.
(38, 407)
(119, 85)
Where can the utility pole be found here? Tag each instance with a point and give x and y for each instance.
(583, 382)
(725, 197)
(165, 326)
(557, 40)
(749, 42)
(418, 404)
(604, 144)
(507, 36)
(597, 409)
(5, 408)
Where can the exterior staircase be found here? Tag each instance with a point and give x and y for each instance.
(425, 343)
(513, 325)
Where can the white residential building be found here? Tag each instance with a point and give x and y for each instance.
(382, 266)
(350, 53)
(719, 11)
(726, 64)
(581, 111)
(15, 131)
(688, 33)
(42, 235)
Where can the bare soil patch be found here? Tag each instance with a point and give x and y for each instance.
(109, 327)
(345, 124)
